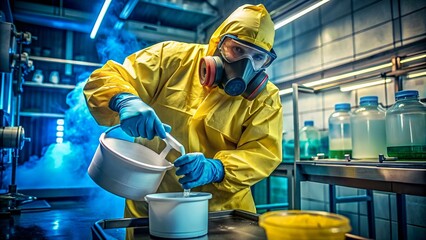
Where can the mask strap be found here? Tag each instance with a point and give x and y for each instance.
(210, 70)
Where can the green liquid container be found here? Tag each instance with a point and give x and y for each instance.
(406, 127)
(368, 129)
(310, 141)
(339, 131)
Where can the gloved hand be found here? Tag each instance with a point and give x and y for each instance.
(137, 119)
(198, 170)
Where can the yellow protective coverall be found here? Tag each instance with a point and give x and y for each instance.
(245, 135)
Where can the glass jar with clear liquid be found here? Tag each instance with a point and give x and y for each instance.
(368, 129)
(339, 131)
(406, 127)
(310, 141)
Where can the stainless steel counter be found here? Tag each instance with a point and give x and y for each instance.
(400, 178)
(235, 224)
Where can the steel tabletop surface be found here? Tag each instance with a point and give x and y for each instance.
(396, 177)
(233, 224)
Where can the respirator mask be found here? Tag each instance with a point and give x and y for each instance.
(238, 67)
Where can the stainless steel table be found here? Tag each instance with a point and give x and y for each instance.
(395, 177)
(233, 224)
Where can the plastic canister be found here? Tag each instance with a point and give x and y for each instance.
(324, 143)
(406, 126)
(297, 224)
(339, 131)
(288, 146)
(368, 129)
(310, 140)
(38, 76)
(171, 215)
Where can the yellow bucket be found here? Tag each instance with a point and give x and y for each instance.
(303, 225)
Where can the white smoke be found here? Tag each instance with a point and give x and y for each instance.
(64, 165)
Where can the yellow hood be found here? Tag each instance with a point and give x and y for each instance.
(251, 23)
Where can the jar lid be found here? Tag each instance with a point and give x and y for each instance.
(309, 123)
(406, 93)
(369, 100)
(342, 106)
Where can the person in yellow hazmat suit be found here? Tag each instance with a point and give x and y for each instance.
(214, 98)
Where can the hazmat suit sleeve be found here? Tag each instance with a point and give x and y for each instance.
(139, 75)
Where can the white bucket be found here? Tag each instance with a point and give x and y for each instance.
(129, 169)
(171, 215)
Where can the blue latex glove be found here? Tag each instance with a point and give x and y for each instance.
(137, 119)
(198, 170)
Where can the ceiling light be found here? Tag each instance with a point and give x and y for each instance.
(413, 58)
(346, 75)
(118, 25)
(414, 75)
(290, 19)
(359, 72)
(286, 91)
(358, 85)
(128, 9)
(100, 18)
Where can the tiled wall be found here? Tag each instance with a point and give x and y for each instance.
(343, 31)
(338, 33)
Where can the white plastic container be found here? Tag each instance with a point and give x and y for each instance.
(406, 127)
(171, 215)
(368, 129)
(339, 134)
(129, 169)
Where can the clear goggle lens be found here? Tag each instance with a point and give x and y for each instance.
(233, 50)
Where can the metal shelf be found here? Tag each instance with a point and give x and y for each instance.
(49, 85)
(65, 61)
(398, 177)
(41, 114)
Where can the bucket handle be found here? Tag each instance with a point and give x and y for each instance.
(171, 142)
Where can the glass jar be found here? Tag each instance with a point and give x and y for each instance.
(406, 126)
(339, 131)
(38, 76)
(288, 146)
(310, 141)
(368, 129)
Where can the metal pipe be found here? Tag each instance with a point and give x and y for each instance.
(371, 218)
(348, 199)
(332, 197)
(67, 61)
(54, 22)
(271, 206)
(401, 215)
(295, 198)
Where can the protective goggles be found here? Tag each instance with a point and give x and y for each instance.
(234, 49)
